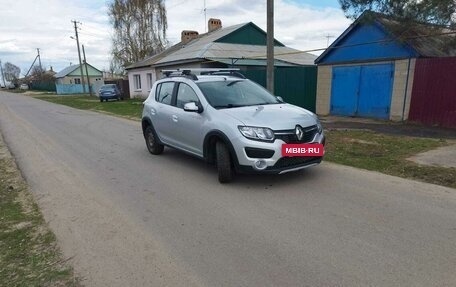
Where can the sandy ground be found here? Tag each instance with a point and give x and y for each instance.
(443, 156)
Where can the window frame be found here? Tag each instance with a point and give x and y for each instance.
(137, 82)
(173, 93)
(198, 103)
(149, 81)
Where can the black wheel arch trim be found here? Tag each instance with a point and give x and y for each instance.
(145, 122)
(225, 139)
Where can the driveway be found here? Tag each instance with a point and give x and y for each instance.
(127, 218)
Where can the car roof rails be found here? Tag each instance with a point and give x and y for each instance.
(187, 73)
(224, 72)
(190, 72)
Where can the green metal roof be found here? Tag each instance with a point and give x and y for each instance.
(249, 34)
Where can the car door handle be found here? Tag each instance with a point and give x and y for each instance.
(175, 118)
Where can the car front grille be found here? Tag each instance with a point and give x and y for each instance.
(289, 136)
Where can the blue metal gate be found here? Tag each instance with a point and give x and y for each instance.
(345, 84)
(362, 90)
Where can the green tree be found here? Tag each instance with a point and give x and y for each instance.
(139, 30)
(440, 12)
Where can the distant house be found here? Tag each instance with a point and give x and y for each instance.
(382, 68)
(68, 80)
(240, 46)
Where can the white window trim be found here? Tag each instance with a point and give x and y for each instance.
(136, 88)
(149, 81)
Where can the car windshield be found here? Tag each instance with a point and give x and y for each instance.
(236, 93)
(107, 87)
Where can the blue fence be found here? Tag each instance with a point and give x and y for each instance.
(71, 89)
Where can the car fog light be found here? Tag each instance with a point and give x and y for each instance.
(260, 164)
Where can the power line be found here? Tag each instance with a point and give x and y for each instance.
(361, 44)
(263, 56)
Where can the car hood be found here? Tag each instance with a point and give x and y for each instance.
(276, 116)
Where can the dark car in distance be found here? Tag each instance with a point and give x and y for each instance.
(109, 91)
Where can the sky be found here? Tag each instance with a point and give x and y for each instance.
(26, 25)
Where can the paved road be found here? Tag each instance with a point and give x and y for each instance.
(133, 219)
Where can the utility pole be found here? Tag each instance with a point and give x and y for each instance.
(327, 39)
(270, 46)
(79, 53)
(205, 17)
(87, 72)
(39, 59)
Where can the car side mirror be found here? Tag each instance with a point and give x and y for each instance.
(280, 99)
(192, 107)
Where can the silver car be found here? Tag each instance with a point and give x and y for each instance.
(229, 121)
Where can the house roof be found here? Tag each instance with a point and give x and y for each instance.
(214, 45)
(66, 71)
(424, 40)
(70, 69)
(427, 40)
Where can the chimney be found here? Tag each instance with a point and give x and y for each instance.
(187, 36)
(214, 24)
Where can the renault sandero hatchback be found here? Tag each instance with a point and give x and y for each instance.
(231, 122)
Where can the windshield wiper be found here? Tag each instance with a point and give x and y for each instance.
(229, 106)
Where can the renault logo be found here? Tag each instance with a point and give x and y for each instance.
(299, 133)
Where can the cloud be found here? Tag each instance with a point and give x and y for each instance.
(299, 26)
(29, 24)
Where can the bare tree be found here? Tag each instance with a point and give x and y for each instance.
(139, 30)
(11, 71)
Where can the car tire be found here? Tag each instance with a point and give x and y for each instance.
(101, 100)
(224, 165)
(152, 144)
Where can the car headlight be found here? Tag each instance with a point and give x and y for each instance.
(257, 133)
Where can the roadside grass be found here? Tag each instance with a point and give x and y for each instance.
(128, 108)
(358, 148)
(387, 154)
(29, 255)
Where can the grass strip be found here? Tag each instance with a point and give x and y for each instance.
(29, 255)
(387, 154)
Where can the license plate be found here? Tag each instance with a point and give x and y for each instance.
(291, 150)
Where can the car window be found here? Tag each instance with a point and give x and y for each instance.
(185, 94)
(164, 93)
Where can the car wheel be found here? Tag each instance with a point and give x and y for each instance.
(151, 141)
(101, 100)
(224, 166)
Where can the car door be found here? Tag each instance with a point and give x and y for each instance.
(188, 124)
(162, 113)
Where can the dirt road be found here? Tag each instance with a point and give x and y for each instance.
(132, 219)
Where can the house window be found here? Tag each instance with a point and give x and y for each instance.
(77, 81)
(149, 81)
(137, 82)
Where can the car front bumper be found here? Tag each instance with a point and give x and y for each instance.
(276, 164)
(108, 96)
